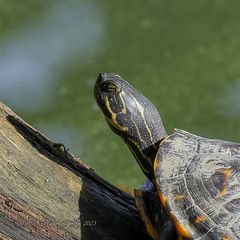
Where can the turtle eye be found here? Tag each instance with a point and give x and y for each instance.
(109, 87)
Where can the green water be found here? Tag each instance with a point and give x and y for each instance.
(183, 55)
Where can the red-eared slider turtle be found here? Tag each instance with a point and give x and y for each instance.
(193, 186)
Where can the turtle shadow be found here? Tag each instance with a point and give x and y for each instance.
(110, 213)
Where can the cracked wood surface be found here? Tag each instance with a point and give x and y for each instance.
(46, 193)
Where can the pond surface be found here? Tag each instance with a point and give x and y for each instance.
(183, 55)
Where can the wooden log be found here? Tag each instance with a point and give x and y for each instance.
(46, 193)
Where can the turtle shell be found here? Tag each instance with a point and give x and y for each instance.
(198, 181)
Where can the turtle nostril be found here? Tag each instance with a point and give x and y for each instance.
(101, 77)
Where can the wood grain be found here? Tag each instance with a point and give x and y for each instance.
(47, 193)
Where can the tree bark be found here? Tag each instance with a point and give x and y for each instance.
(47, 193)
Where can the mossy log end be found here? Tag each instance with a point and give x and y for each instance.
(46, 193)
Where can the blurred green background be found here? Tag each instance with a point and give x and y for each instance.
(183, 55)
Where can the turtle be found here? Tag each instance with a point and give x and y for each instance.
(192, 189)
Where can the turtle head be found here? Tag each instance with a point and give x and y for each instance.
(131, 116)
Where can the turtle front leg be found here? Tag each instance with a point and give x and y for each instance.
(152, 213)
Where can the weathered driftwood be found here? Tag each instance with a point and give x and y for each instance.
(46, 193)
